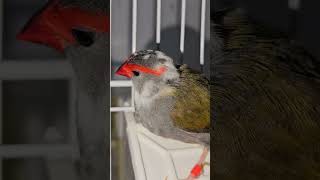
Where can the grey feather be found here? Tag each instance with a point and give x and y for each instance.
(154, 99)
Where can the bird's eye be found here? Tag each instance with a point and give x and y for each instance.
(177, 66)
(136, 73)
(84, 38)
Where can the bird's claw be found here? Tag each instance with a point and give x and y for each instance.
(197, 171)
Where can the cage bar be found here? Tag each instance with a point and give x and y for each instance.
(123, 84)
(294, 4)
(158, 29)
(74, 136)
(15, 70)
(202, 31)
(24, 151)
(183, 25)
(134, 25)
(122, 109)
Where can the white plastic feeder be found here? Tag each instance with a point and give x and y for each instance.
(158, 158)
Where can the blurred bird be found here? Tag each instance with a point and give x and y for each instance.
(171, 101)
(265, 103)
(80, 30)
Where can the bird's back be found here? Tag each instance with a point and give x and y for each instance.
(191, 108)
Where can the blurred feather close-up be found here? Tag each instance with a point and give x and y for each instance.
(265, 101)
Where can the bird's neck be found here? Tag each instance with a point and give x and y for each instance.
(147, 98)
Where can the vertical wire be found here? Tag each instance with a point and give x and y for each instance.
(158, 28)
(134, 26)
(294, 6)
(182, 28)
(132, 97)
(202, 33)
(134, 38)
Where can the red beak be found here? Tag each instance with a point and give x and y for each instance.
(53, 26)
(125, 70)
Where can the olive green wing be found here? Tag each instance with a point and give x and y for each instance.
(191, 109)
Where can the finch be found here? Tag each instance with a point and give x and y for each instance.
(171, 101)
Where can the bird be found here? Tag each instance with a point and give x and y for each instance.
(265, 109)
(171, 100)
(79, 30)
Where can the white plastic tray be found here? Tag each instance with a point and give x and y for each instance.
(158, 158)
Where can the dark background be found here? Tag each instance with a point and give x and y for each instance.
(301, 25)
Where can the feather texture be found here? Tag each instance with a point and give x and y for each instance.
(265, 97)
(191, 108)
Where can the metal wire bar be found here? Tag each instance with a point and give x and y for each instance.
(202, 31)
(158, 29)
(182, 27)
(134, 26)
(121, 84)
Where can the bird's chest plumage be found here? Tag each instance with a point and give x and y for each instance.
(153, 112)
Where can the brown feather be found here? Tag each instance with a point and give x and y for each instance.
(191, 109)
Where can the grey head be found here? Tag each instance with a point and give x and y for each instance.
(151, 72)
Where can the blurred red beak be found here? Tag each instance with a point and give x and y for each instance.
(125, 70)
(53, 25)
(47, 28)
